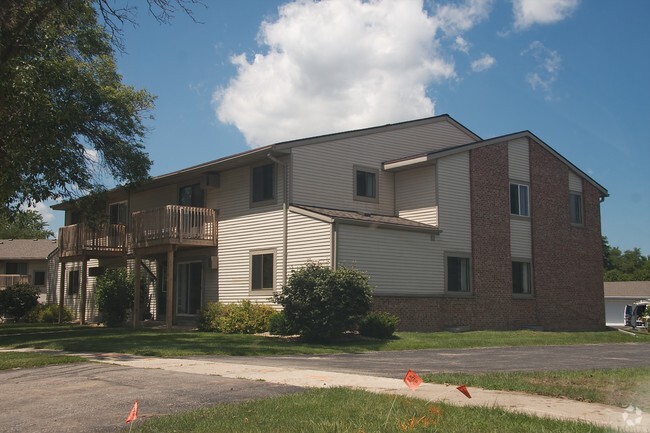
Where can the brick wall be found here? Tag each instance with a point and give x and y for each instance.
(567, 266)
(567, 260)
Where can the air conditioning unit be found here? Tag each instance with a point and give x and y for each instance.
(210, 180)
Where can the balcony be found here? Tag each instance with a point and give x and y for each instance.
(8, 280)
(81, 239)
(174, 225)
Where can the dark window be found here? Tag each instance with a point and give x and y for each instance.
(262, 269)
(73, 282)
(118, 213)
(191, 195)
(16, 268)
(521, 278)
(39, 278)
(263, 183)
(366, 184)
(519, 199)
(575, 206)
(458, 274)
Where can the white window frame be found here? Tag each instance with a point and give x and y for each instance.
(367, 198)
(252, 255)
(521, 211)
(576, 218)
(126, 216)
(527, 269)
(460, 256)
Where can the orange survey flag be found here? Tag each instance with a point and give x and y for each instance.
(463, 389)
(133, 415)
(412, 380)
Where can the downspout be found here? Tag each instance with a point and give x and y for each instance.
(285, 212)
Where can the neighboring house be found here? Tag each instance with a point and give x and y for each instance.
(24, 261)
(618, 294)
(453, 230)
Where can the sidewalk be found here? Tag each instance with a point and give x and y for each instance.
(613, 417)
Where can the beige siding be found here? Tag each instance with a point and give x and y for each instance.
(519, 160)
(415, 195)
(73, 302)
(309, 240)
(454, 213)
(323, 172)
(152, 198)
(575, 182)
(520, 239)
(397, 262)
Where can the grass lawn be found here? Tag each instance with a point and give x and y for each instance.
(617, 387)
(344, 410)
(9, 360)
(190, 343)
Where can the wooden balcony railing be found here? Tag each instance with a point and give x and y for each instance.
(173, 224)
(7, 280)
(106, 239)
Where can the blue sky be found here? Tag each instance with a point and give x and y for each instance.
(575, 73)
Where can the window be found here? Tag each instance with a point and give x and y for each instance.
(118, 213)
(575, 207)
(521, 278)
(365, 184)
(262, 271)
(191, 195)
(458, 274)
(16, 268)
(73, 282)
(519, 199)
(263, 183)
(39, 278)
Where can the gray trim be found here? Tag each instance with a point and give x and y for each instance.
(530, 294)
(364, 169)
(258, 252)
(581, 223)
(518, 215)
(461, 255)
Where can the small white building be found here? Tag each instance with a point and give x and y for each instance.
(618, 294)
(24, 261)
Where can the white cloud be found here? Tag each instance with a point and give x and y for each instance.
(43, 209)
(453, 18)
(530, 12)
(483, 63)
(548, 65)
(338, 65)
(461, 44)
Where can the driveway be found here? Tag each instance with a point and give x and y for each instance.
(91, 397)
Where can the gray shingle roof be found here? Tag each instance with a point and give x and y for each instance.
(367, 218)
(26, 249)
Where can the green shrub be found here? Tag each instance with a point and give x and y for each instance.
(378, 324)
(16, 301)
(208, 320)
(242, 318)
(114, 296)
(49, 314)
(279, 325)
(321, 302)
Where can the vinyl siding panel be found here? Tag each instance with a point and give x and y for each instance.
(575, 182)
(519, 160)
(153, 198)
(323, 173)
(415, 195)
(520, 239)
(73, 302)
(397, 262)
(309, 240)
(454, 201)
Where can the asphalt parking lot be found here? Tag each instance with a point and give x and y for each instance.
(94, 397)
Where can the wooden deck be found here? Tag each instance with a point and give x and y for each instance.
(82, 239)
(174, 225)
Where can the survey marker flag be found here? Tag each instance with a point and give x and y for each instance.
(412, 380)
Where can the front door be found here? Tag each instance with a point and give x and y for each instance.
(190, 281)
